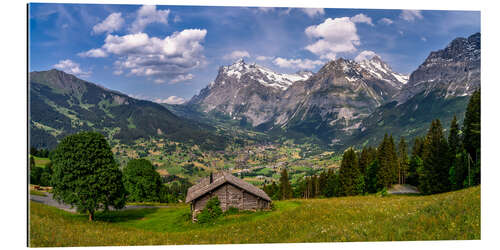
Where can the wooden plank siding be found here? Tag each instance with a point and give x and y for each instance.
(230, 196)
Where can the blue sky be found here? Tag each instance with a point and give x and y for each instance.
(169, 53)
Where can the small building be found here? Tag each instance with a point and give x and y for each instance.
(231, 191)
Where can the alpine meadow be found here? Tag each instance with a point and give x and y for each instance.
(167, 125)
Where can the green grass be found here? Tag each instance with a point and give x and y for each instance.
(449, 216)
(41, 162)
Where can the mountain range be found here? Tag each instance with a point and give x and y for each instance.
(348, 102)
(345, 103)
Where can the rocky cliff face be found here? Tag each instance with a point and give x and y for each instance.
(246, 90)
(452, 71)
(438, 89)
(339, 95)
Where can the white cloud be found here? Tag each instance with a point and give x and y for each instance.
(71, 67)
(334, 36)
(297, 63)
(362, 18)
(148, 14)
(182, 78)
(265, 9)
(170, 100)
(386, 21)
(312, 12)
(264, 58)
(365, 55)
(423, 39)
(93, 53)
(411, 15)
(237, 54)
(112, 23)
(170, 57)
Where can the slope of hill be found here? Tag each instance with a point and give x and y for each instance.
(448, 216)
(62, 104)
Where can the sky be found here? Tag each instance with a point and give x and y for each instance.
(169, 53)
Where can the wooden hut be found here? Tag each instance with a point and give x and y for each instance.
(231, 191)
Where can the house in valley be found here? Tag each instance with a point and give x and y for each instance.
(231, 191)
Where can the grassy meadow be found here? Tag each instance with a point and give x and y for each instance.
(448, 216)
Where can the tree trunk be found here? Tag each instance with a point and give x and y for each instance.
(91, 216)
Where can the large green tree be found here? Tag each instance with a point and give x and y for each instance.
(86, 175)
(436, 161)
(285, 186)
(350, 177)
(141, 181)
(403, 161)
(472, 137)
(387, 163)
(472, 126)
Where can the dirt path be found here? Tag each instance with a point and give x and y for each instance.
(48, 200)
(403, 189)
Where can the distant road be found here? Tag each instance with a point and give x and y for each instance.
(49, 200)
(403, 189)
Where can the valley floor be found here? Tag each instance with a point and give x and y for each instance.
(448, 216)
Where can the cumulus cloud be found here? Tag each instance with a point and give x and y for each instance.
(411, 15)
(112, 23)
(385, 21)
(312, 12)
(237, 54)
(170, 100)
(94, 53)
(142, 55)
(148, 14)
(264, 58)
(182, 78)
(362, 18)
(334, 36)
(71, 67)
(365, 55)
(297, 63)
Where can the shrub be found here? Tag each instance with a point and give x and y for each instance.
(211, 211)
(232, 210)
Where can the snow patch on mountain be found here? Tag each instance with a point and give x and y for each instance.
(263, 75)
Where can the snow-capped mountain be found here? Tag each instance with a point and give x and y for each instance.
(452, 71)
(343, 91)
(263, 75)
(249, 91)
(381, 70)
(334, 100)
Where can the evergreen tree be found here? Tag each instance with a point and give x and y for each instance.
(415, 164)
(472, 125)
(371, 181)
(436, 161)
(349, 174)
(332, 184)
(285, 186)
(472, 138)
(454, 137)
(322, 183)
(418, 147)
(402, 161)
(387, 163)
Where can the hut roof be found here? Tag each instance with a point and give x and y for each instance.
(204, 186)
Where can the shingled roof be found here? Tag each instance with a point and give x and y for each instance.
(204, 186)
